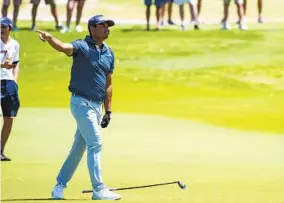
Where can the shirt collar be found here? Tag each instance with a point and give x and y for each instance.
(88, 38)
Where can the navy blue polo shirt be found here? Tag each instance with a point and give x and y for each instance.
(90, 67)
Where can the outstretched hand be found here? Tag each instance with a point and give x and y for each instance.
(44, 36)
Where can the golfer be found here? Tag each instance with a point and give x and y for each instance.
(90, 85)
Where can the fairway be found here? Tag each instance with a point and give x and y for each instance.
(203, 107)
(231, 79)
(218, 165)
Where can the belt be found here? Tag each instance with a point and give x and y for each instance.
(76, 95)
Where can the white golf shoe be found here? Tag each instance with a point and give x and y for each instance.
(57, 192)
(65, 30)
(243, 26)
(260, 19)
(79, 28)
(105, 194)
(225, 26)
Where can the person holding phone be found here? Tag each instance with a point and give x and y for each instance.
(10, 102)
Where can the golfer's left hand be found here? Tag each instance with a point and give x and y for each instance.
(106, 119)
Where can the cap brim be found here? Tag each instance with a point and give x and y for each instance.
(5, 24)
(109, 22)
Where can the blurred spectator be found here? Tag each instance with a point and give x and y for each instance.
(259, 6)
(170, 12)
(10, 103)
(160, 7)
(5, 6)
(193, 11)
(53, 11)
(241, 22)
(199, 6)
(70, 8)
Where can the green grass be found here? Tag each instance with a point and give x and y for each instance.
(233, 79)
(218, 165)
(229, 79)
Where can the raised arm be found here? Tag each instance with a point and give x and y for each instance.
(56, 43)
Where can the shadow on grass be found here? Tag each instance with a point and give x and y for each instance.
(29, 29)
(37, 199)
(140, 29)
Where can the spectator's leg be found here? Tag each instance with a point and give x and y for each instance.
(17, 4)
(34, 13)
(80, 7)
(170, 12)
(148, 13)
(194, 13)
(245, 7)
(226, 11)
(70, 7)
(260, 6)
(159, 15)
(181, 14)
(5, 133)
(226, 6)
(240, 10)
(54, 13)
(162, 17)
(199, 6)
(5, 6)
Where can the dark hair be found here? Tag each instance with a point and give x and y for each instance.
(94, 25)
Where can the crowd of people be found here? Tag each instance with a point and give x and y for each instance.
(52, 3)
(195, 10)
(162, 7)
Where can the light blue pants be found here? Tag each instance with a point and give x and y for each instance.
(87, 115)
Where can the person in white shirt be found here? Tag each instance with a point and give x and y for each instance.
(10, 102)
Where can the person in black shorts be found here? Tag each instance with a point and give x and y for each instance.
(10, 102)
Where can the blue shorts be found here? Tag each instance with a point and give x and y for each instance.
(10, 102)
(157, 2)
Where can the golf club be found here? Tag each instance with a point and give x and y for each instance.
(180, 184)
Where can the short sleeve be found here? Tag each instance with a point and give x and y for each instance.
(112, 64)
(16, 54)
(76, 46)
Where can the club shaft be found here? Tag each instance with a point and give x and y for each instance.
(135, 187)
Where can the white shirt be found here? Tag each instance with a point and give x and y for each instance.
(8, 52)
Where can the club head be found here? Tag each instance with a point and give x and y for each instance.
(181, 185)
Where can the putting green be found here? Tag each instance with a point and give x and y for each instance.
(218, 165)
